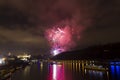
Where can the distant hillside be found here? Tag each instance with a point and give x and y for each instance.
(109, 51)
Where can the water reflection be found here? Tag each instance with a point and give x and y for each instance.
(56, 72)
(96, 75)
(26, 71)
(115, 70)
(69, 70)
(40, 66)
(86, 70)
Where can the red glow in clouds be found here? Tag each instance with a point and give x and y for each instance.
(61, 38)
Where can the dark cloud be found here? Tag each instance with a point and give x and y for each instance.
(53, 11)
(19, 40)
(100, 36)
(107, 14)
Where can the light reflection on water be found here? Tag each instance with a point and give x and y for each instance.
(95, 75)
(26, 71)
(115, 70)
(69, 70)
(56, 72)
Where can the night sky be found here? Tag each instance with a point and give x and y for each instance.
(23, 23)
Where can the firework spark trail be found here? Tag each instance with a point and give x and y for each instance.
(61, 38)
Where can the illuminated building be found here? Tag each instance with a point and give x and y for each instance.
(2, 61)
(24, 57)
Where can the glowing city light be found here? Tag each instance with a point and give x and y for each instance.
(1, 61)
(56, 52)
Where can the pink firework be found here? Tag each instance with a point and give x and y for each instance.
(60, 38)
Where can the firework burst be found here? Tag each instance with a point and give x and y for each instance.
(61, 38)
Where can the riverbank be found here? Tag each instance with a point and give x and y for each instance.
(7, 70)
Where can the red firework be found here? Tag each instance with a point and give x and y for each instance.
(60, 38)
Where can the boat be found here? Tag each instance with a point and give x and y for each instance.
(95, 67)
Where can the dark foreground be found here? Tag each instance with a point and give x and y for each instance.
(69, 70)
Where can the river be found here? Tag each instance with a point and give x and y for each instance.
(69, 70)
